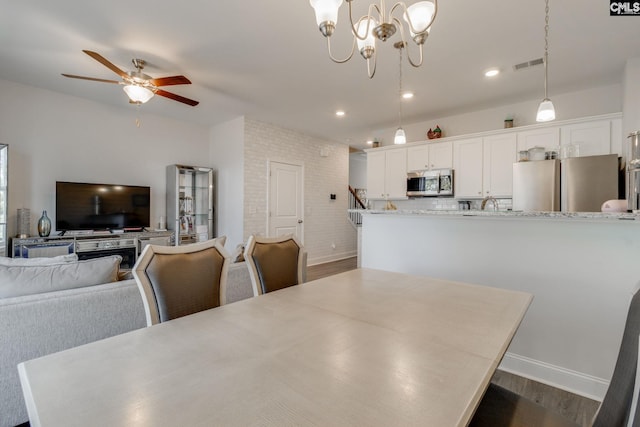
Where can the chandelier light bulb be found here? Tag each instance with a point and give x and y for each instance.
(326, 10)
(419, 16)
(368, 45)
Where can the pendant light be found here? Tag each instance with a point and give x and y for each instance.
(400, 137)
(546, 111)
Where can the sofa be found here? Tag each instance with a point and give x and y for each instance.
(41, 323)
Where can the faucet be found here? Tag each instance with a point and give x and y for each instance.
(489, 199)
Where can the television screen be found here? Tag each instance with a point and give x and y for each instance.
(84, 206)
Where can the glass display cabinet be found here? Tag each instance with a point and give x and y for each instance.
(190, 203)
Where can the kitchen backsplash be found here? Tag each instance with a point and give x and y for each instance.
(436, 204)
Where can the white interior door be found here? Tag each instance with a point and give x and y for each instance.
(285, 200)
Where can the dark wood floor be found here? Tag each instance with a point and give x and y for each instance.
(577, 408)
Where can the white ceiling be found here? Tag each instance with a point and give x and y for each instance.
(267, 60)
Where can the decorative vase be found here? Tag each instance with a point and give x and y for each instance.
(44, 225)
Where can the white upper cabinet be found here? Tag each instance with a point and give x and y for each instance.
(499, 156)
(417, 158)
(437, 155)
(441, 155)
(387, 174)
(467, 165)
(545, 137)
(591, 138)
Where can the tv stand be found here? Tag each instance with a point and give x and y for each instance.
(128, 245)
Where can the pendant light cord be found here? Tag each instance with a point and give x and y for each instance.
(400, 91)
(546, 45)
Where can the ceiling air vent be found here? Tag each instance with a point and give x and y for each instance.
(528, 64)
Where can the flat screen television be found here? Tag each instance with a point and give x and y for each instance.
(85, 206)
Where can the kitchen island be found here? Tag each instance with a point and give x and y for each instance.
(580, 267)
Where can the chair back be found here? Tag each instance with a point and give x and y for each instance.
(176, 281)
(615, 408)
(275, 263)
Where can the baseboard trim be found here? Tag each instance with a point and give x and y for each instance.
(565, 379)
(331, 258)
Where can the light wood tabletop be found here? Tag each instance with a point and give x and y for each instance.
(365, 347)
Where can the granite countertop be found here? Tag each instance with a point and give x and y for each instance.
(506, 214)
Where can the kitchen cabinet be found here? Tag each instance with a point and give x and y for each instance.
(548, 137)
(484, 166)
(592, 138)
(499, 154)
(467, 165)
(387, 174)
(437, 155)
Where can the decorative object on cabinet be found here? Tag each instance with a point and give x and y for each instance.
(546, 111)
(434, 134)
(44, 225)
(508, 123)
(24, 222)
(419, 17)
(400, 137)
(190, 203)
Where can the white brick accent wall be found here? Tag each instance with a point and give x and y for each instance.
(325, 220)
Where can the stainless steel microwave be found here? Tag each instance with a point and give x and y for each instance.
(430, 183)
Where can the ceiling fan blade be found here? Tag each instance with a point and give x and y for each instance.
(91, 78)
(106, 63)
(170, 81)
(176, 97)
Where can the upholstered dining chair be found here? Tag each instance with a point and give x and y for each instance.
(176, 281)
(501, 407)
(275, 262)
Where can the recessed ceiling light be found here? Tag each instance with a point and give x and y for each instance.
(407, 95)
(492, 72)
(340, 113)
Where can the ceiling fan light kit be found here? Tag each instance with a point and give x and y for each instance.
(378, 24)
(138, 94)
(138, 86)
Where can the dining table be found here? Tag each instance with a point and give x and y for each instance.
(362, 348)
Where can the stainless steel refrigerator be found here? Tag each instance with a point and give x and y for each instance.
(576, 184)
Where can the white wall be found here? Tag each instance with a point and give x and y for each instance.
(631, 120)
(325, 221)
(358, 170)
(227, 157)
(581, 273)
(58, 137)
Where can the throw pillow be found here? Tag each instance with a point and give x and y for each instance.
(34, 279)
(38, 261)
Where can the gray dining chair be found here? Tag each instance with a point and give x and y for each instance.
(501, 407)
(176, 281)
(275, 262)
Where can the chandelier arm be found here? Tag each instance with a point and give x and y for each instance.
(369, 14)
(406, 45)
(369, 72)
(340, 61)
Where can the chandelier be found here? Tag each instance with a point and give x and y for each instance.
(377, 24)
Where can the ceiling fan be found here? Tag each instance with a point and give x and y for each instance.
(139, 87)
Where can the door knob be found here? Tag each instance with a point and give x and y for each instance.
(299, 221)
